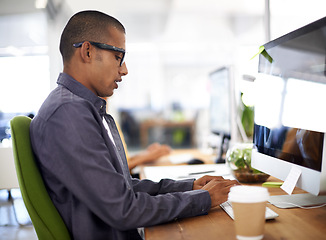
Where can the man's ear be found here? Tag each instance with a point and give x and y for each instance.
(85, 52)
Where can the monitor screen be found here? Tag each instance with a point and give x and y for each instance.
(220, 106)
(299, 54)
(290, 121)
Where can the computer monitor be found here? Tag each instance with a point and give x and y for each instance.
(221, 107)
(223, 112)
(290, 118)
(220, 101)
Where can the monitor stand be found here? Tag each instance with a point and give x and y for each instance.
(224, 139)
(297, 200)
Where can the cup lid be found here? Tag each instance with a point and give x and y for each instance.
(248, 194)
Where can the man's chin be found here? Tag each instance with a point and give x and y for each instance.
(110, 94)
(106, 95)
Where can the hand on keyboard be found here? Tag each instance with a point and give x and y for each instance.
(217, 187)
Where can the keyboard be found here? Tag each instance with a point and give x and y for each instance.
(227, 207)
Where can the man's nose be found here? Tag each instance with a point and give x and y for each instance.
(123, 69)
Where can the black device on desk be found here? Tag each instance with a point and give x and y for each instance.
(195, 161)
(224, 144)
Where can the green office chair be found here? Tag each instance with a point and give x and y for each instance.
(47, 221)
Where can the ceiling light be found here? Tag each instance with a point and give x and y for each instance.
(40, 4)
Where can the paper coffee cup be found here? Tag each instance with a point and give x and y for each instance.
(249, 206)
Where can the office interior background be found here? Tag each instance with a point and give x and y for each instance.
(172, 47)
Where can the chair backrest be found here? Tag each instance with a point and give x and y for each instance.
(47, 221)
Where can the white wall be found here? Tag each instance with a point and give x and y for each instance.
(173, 45)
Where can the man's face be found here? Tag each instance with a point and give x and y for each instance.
(106, 71)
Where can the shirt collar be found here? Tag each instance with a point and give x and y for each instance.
(80, 90)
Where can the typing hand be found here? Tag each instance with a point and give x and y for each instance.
(219, 189)
(201, 182)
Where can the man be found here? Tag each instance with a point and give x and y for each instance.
(80, 153)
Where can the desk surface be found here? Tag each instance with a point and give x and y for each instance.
(292, 223)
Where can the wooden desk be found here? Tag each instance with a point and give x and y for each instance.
(164, 161)
(293, 224)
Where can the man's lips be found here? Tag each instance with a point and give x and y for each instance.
(116, 82)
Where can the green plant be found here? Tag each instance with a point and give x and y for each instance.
(240, 157)
(247, 118)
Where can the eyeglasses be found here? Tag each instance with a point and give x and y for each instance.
(105, 47)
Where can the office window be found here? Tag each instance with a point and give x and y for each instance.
(24, 83)
(24, 66)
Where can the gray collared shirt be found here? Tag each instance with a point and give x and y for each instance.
(87, 176)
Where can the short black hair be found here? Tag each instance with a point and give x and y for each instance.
(87, 25)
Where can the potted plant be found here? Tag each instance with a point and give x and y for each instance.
(239, 160)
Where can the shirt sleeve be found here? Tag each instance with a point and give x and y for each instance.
(163, 186)
(78, 166)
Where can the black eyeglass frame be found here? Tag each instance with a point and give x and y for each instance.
(105, 47)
